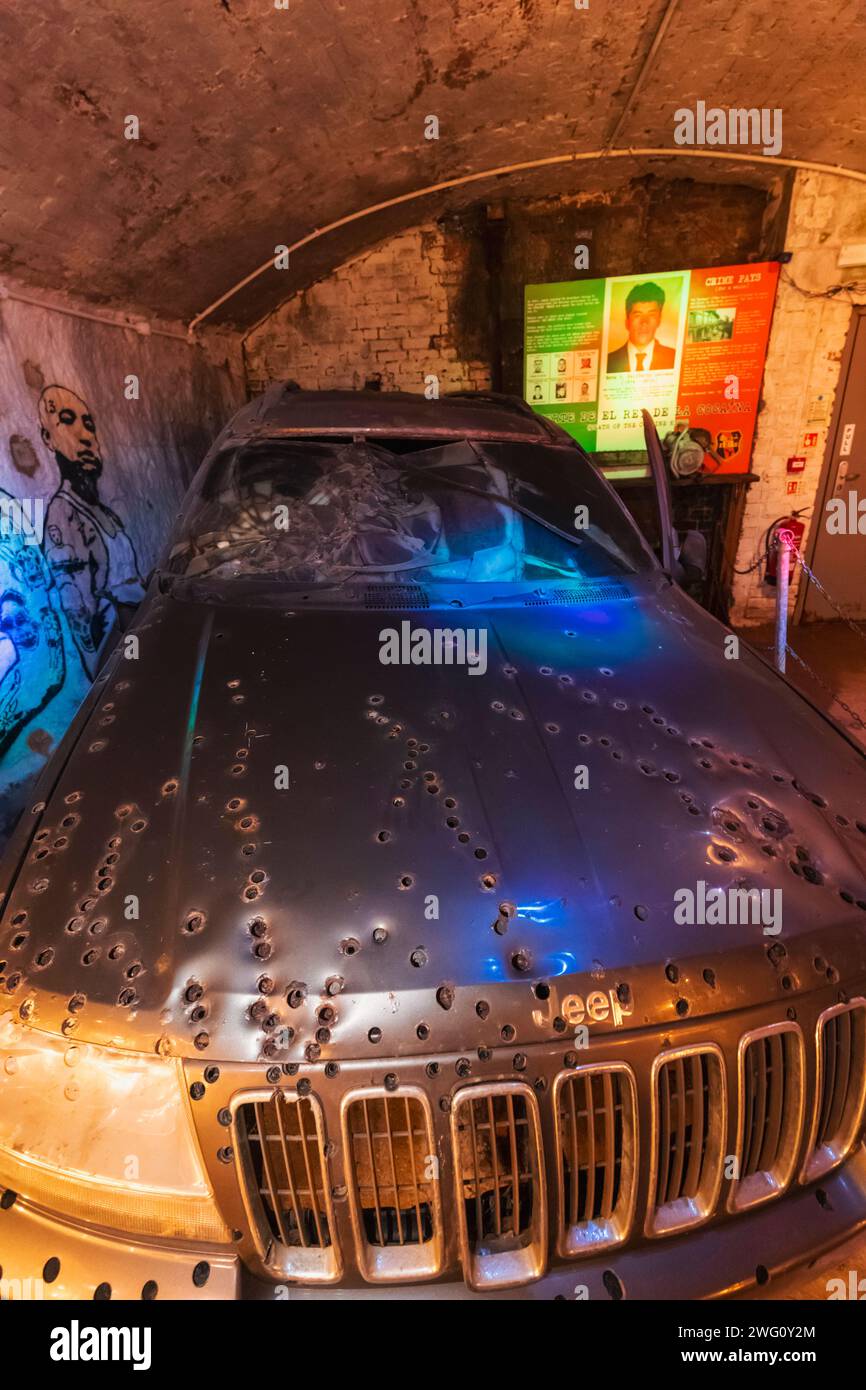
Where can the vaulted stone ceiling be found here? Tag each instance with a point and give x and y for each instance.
(259, 125)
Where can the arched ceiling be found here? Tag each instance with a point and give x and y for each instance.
(259, 125)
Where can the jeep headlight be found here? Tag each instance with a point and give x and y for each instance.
(102, 1136)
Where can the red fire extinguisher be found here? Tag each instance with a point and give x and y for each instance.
(785, 523)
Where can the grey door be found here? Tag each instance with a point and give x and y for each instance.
(839, 557)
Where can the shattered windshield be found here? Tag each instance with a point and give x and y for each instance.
(320, 513)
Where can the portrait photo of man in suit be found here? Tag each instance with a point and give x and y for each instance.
(642, 351)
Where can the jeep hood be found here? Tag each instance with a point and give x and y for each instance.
(259, 820)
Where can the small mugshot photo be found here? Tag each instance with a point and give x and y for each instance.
(644, 321)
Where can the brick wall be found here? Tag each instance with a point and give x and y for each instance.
(386, 316)
(802, 371)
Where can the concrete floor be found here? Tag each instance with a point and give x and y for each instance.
(838, 656)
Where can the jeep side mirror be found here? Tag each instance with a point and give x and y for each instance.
(692, 556)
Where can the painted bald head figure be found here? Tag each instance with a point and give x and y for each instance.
(69, 431)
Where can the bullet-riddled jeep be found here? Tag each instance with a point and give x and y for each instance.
(401, 908)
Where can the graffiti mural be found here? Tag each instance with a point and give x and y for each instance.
(32, 659)
(89, 553)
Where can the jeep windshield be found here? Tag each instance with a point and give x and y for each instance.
(309, 513)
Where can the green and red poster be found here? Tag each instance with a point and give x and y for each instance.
(687, 345)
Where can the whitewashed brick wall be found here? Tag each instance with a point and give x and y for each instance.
(802, 372)
(385, 314)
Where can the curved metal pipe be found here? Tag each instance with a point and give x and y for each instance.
(504, 169)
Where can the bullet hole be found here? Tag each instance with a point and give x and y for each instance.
(726, 854)
(331, 1070)
(98, 745)
(76, 1003)
(488, 882)
(86, 904)
(641, 912)
(432, 1069)
(257, 1011)
(623, 992)
(380, 935)
(169, 788)
(110, 858)
(704, 762)
(822, 1199)
(433, 790)
(296, 994)
(519, 1061)
(449, 803)
(104, 885)
(201, 1041)
(312, 1052)
(51, 1269)
(19, 919)
(422, 1032)
(391, 1083)
(452, 822)
(568, 680)
(559, 1024)
(248, 849)
(211, 1074)
(399, 802)
(552, 728)
(464, 838)
(769, 851)
(383, 836)
(247, 823)
(482, 1008)
(694, 810)
(13, 982)
(516, 714)
(497, 705)
(193, 992)
(19, 939)
(40, 854)
(605, 742)
(445, 996)
(334, 984)
(251, 892)
(263, 950)
(226, 1154)
(480, 853)
(194, 922)
(237, 770)
(521, 961)
(812, 875)
(541, 990)
(462, 1066)
(762, 1275)
(648, 769)
(272, 1075)
(709, 978)
(258, 876)
(795, 868)
(418, 958)
(137, 826)
(350, 946)
(126, 997)
(507, 1032)
(682, 1007)
(614, 1286)
(258, 928)
(410, 766)
(672, 972)
(91, 957)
